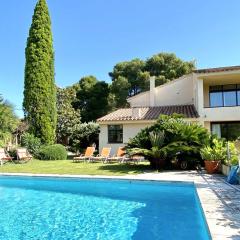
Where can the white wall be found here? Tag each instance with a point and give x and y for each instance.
(222, 114)
(141, 100)
(129, 131)
(177, 92)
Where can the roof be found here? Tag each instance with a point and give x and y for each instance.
(150, 113)
(218, 69)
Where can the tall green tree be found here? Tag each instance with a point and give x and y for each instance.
(119, 90)
(164, 66)
(68, 118)
(8, 121)
(92, 98)
(167, 66)
(39, 90)
(132, 71)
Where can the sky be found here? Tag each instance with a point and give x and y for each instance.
(91, 36)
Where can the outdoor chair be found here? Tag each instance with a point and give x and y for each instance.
(103, 156)
(86, 156)
(23, 155)
(4, 156)
(134, 159)
(119, 157)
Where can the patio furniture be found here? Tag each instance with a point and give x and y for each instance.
(4, 156)
(23, 155)
(119, 157)
(86, 156)
(134, 159)
(105, 153)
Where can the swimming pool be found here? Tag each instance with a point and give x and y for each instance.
(73, 209)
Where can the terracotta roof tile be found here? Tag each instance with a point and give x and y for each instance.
(150, 113)
(218, 69)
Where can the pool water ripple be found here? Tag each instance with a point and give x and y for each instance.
(46, 209)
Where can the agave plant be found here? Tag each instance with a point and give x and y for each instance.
(157, 153)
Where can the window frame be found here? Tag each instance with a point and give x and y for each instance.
(221, 90)
(227, 123)
(115, 131)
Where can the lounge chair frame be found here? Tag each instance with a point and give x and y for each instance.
(86, 156)
(23, 155)
(4, 156)
(103, 156)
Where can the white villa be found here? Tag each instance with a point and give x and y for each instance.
(210, 97)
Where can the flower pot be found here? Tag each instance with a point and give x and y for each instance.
(157, 163)
(211, 166)
(225, 169)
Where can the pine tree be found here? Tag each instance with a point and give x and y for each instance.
(39, 87)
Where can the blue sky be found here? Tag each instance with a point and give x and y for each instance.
(90, 36)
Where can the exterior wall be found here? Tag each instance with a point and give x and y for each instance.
(130, 130)
(221, 114)
(207, 125)
(176, 92)
(206, 95)
(141, 100)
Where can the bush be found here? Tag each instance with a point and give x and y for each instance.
(53, 152)
(31, 142)
(181, 139)
(13, 153)
(84, 136)
(216, 152)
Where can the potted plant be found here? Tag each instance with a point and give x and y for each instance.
(213, 156)
(231, 159)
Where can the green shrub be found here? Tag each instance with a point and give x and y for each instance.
(31, 142)
(53, 152)
(181, 139)
(13, 153)
(216, 152)
(84, 135)
(233, 154)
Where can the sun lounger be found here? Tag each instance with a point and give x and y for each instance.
(119, 157)
(86, 156)
(4, 156)
(133, 159)
(23, 155)
(103, 156)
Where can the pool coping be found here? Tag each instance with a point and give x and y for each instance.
(220, 223)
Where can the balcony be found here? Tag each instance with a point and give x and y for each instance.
(215, 114)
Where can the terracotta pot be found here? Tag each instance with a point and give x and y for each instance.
(211, 166)
(225, 169)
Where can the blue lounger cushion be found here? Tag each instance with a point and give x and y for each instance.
(233, 175)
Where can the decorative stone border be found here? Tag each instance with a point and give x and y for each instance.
(220, 201)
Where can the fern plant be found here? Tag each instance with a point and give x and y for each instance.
(216, 152)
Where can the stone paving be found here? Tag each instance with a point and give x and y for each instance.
(220, 201)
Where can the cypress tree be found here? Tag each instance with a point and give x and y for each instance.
(39, 102)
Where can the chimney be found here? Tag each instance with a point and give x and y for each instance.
(136, 112)
(152, 92)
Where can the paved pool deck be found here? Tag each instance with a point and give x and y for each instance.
(220, 201)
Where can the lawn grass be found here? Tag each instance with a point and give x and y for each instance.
(68, 167)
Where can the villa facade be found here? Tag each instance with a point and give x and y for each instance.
(210, 97)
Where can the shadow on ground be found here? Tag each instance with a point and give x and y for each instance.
(126, 168)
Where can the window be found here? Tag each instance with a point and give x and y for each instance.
(216, 99)
(228, 130)
(115, 133)
(224, 95)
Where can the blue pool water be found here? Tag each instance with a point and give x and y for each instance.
(73, 209)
